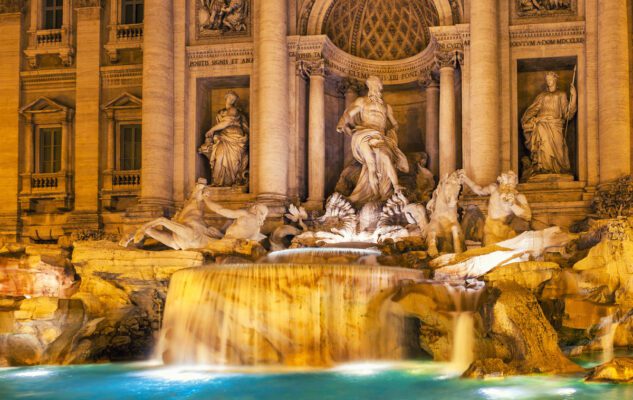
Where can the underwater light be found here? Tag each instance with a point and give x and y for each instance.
(362, 369)
(502, 393)
(32, 374)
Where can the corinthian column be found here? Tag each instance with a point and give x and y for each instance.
(614, 116)
(271, 171)
(316, 135)
(431, 135)
(485, 130)
(447, 62)
(158, 107)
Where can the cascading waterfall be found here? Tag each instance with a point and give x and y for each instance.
(291, 314)
(609, 326)
(465, 301)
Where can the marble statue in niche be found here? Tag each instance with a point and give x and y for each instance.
(545, 124)
(373, 128)
(226, 145)
(223, 15)
(528, 8)
(508, 210)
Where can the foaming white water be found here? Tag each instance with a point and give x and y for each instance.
(609, 326)
(290, 314)
(465, 301)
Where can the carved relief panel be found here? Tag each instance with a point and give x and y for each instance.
(545, 8)
(222, 18)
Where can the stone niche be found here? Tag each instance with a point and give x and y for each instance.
(530, 83)
(211, 99)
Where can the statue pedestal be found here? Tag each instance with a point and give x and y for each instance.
(550, 178)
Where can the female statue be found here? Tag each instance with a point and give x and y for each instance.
(226, 145)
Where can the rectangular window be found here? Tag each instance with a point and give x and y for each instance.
(50, 150)
(132, 11)
(130, 150)
(53, 12)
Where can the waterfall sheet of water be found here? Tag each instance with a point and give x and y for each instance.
(609, 326)
(291, 314)
(321, 255)
(465, 301)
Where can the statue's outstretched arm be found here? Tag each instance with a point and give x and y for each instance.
(478, 190)
(225, 212)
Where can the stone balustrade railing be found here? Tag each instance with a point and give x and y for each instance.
(129, 32)
(49, 181)
(48, 37)
(126, 179)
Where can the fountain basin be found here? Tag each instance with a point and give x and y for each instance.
(284, 314)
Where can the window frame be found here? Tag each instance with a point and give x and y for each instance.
(135, 11)
(57, 11)
(119, 148)
(38, 167)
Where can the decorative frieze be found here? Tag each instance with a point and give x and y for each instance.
(87, 3)
(200, 57)
(11, 6)
(124, 76)
(455, 37)
(46, 80)
(545, 8)
(559, 33)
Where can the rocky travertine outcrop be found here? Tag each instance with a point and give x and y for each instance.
(518, 322)
(618, 370)
(528, 274)
(106, 305)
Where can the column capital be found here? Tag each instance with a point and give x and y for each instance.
(11, 6)
(350, 85)
(312, 68)
(429, 79)
(448, 59)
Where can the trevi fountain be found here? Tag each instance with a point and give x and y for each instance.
(316, 199)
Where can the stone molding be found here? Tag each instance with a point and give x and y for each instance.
(543, 12)
(454, 37)
(87, 3)
(11, 6)
(448, 59)
(46, 80)
(343, 65)
(556, 33)
(200, 57)
(122, 76)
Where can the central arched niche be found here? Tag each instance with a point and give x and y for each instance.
(381, 30)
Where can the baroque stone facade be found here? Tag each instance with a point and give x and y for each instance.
(106, 103)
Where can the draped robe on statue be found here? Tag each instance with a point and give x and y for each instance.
(543, 126)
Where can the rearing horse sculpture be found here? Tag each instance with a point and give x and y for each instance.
(443, 215)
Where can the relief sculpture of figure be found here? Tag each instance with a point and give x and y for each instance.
(544, 124)
(506, 205)
(223, 15)
(226, 145)
(373, 128)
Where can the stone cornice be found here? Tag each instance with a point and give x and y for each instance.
(205, 56)
(48, 79)
(122, 76)
(556, 33)
(342, 64)
(11, 6)
(451, 37)
(87, 3)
